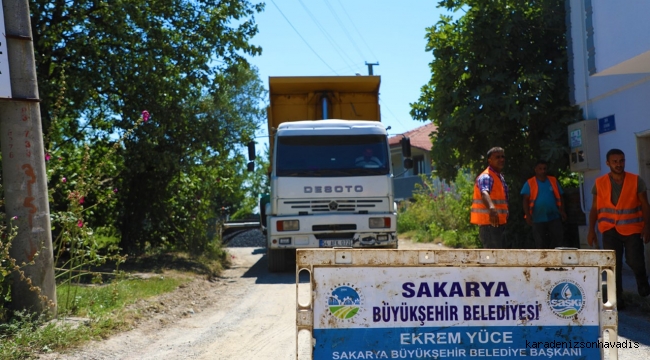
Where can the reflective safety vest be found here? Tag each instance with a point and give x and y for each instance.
(480, 214)
(626, 216)
(534, 190)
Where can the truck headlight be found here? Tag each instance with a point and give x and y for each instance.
(287, 225)
(379, 222)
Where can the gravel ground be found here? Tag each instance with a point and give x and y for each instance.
(245, 238)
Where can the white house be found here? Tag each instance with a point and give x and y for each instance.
(609, 52)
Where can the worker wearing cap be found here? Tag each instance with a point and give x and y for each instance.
(490, 202)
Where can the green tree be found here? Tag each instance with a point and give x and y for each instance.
(499, 78)
(100, 64)
(177, 180)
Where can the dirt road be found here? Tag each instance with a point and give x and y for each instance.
(248, 314)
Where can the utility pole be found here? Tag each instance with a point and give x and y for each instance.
(23, 167)
(370, 67)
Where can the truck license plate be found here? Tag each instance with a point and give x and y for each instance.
(336, 243)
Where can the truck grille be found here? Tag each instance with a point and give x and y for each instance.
(333, 205)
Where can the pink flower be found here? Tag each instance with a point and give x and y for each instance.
(81, 200)
(47, 157)
(115, 190)
(80, 223)
(145, 115)
(60, 158)
(14, 218)
(63, 179)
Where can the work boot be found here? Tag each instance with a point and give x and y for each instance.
(643, 287)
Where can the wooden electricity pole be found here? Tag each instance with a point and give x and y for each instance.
(23, 166)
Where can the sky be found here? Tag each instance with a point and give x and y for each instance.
(337, 37)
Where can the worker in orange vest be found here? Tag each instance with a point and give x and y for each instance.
(544, 208)
(490, 203)
(620, 207)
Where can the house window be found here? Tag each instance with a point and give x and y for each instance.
(418, 165)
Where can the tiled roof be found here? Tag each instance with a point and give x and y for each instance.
(419, 137)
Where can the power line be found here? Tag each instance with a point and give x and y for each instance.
(303, 39)
(357, 30)
(345, 30)
(327, 36)
(395, 117)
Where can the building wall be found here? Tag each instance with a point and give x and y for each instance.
(595, 87)
(398, 161)
(621, 30)
(619, 36)
(404, 181)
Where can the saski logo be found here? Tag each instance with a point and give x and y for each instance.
(566, 298)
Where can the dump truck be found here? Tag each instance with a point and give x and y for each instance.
(330, 169)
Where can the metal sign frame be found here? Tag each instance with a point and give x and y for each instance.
(383, 303)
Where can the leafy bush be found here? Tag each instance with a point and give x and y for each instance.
(441, 211)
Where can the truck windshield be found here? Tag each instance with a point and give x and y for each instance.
(332, 155)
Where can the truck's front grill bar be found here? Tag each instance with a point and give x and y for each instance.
(328, 205)
(334, 227)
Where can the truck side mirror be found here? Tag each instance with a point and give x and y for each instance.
(251, 151)
(406, 147)
(250, 166)
(408, 163)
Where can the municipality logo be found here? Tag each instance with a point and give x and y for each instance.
(566, 299)
(344, 301)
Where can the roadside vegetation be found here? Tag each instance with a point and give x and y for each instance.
(143, 148)
(86, 312)
(439, 212)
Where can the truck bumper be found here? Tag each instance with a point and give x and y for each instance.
(340, 230)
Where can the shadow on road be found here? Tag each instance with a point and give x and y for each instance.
(260, 271)
(633, 328)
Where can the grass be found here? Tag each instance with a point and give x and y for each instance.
(97, 301)
(99, 310)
